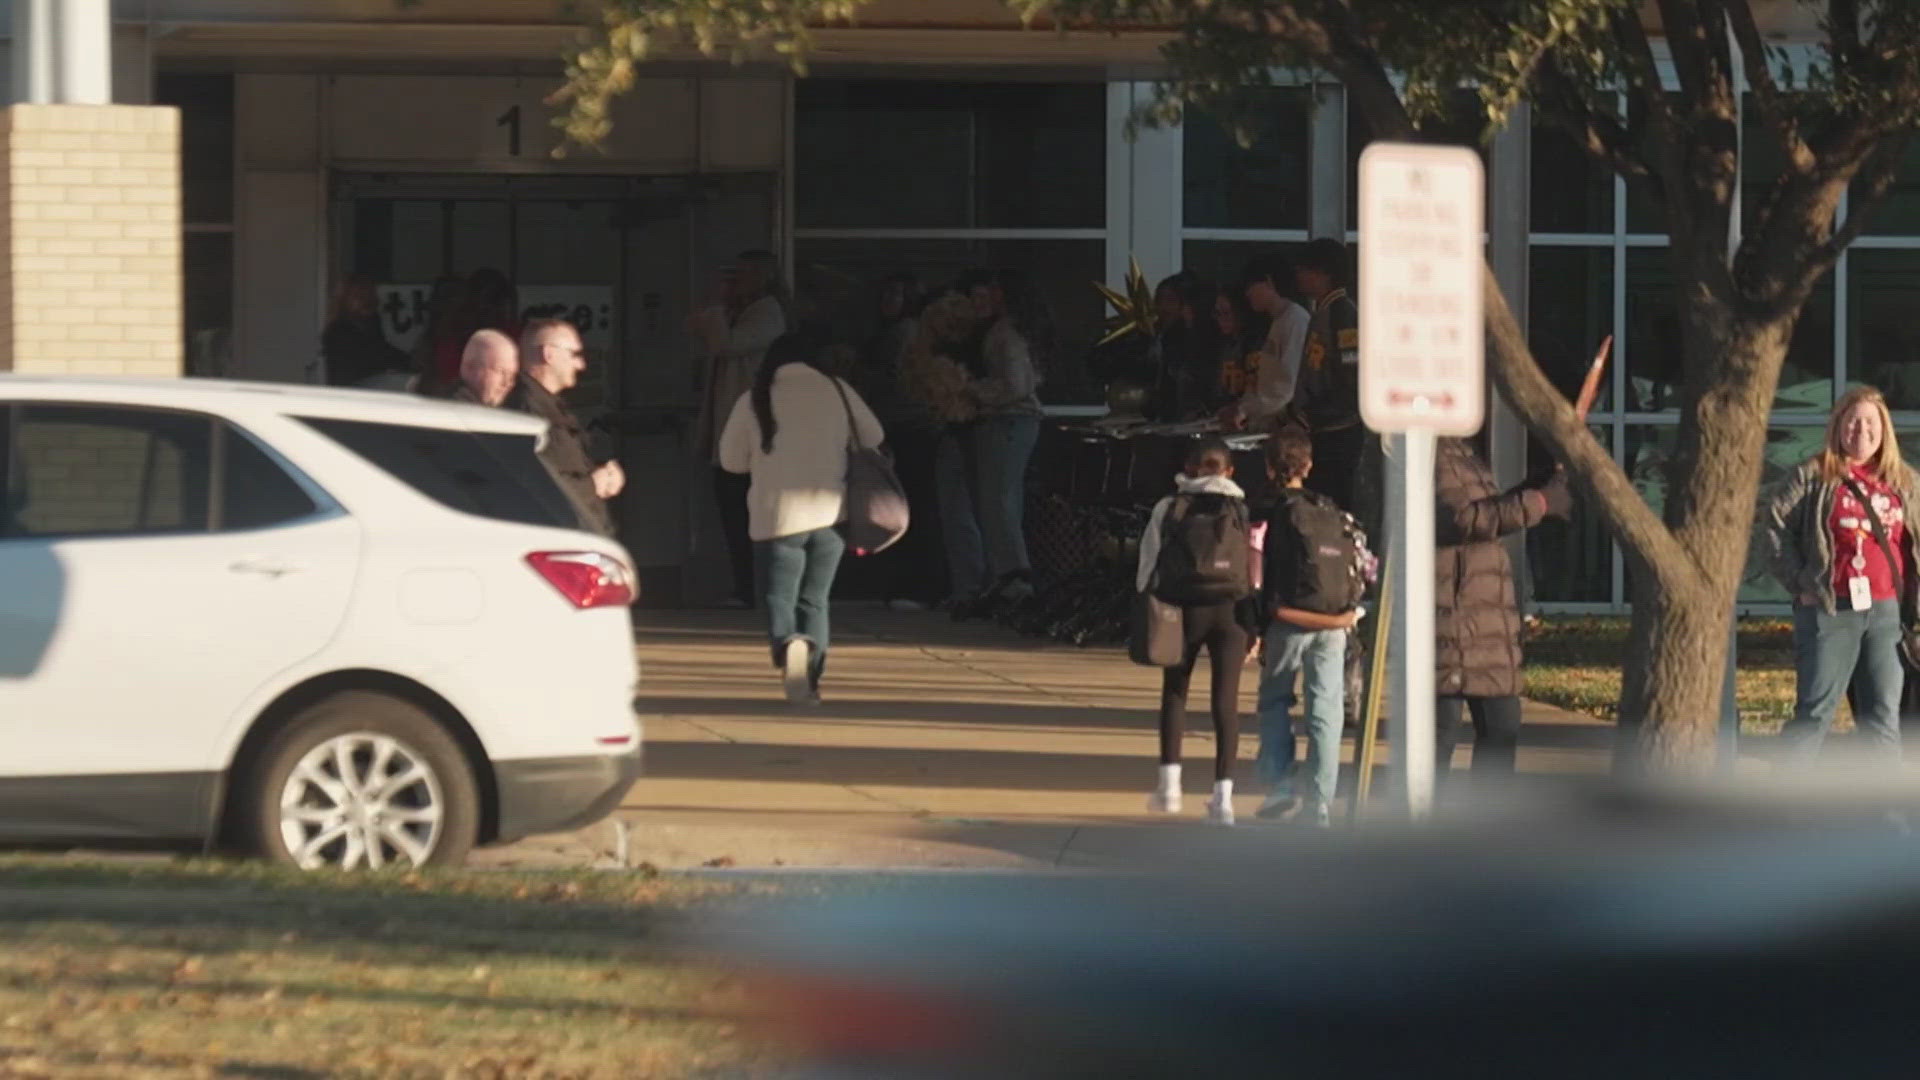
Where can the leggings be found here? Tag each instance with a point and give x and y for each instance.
(1496, 726)
(1226, 641)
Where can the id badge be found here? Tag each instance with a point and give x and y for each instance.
(1862, 592)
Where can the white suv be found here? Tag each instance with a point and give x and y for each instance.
(334, 628)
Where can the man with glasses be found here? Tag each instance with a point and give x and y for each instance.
(552, 358)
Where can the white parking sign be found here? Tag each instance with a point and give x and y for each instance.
(1422, 358)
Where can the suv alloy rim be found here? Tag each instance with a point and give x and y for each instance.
(361, 800)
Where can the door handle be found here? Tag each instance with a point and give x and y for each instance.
(273, 568)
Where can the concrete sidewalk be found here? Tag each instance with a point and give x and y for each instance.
(940, 745)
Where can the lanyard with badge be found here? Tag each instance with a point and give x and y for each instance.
(1859, 588)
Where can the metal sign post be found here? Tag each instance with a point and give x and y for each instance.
(1422, 375)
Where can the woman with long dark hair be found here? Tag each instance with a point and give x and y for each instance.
(789, 436)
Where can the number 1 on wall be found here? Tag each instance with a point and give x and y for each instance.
(511, 121)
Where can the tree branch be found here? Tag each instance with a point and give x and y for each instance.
(1875, 179)
(1548, 413)
(1643, 72)
(1599, 132)
(1843, 32)
(1766, 90)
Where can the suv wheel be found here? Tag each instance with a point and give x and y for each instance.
(360, 781)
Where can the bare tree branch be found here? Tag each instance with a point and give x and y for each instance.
(1843, 42)
(1874, 180)
(1601, 133)
(1550, 415)
(1643, 73)
(1767, 98)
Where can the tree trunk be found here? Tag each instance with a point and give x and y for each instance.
(1676, 662)
(1684, 594)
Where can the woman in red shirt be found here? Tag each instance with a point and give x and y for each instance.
(1840, 534)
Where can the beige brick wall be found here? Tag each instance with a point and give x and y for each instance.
(90, 272)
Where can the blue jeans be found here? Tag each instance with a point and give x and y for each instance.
(795, 579)
(1831, 651)
(954, 483)
(1002, 446)
(1322, 656)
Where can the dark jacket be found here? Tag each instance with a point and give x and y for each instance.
(356, 350)
(565, 452)
(1795, 538)
(1476, 617)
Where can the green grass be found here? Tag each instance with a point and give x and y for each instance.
(213, 969)
(1577, 664)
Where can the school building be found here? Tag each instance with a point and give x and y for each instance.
(317, 138)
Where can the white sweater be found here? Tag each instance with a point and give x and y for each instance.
(802, 484)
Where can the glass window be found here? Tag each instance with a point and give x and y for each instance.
(207, 302)
(1463, 124)
(487, 475)
(1041, 156)
(1569, 309)
(1262, 186)
(1645, 212)
(255, 491)
(1653, 342)
(1571, 192)
(480, 235)
(1883, 339)
(839, 278)
(1221, 262)
(400, 240)
(1899, 213)
(100, 471)
(1571, 561)
(1651, 450)
(906, 154)
(206, 144)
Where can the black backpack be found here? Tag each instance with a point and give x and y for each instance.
(1312, 550)
(1205, 550)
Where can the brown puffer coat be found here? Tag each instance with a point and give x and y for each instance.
(1476, 617)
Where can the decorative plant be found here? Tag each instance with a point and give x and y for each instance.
(1133, 310)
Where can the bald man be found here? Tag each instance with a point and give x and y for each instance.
(488, 367)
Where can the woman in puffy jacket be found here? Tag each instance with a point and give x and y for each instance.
(1476, 616)
(1817, 532)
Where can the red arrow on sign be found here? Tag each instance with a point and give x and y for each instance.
(1401, 397)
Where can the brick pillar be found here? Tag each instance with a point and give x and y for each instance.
(90, 240)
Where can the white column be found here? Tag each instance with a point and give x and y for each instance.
(1144, 189)
(63, 52)
(1327, 163)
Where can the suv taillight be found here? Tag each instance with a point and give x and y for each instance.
(587, 579)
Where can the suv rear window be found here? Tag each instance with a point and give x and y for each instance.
(487, 474)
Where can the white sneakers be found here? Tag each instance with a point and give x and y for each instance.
(1166, 797)
(794, 672)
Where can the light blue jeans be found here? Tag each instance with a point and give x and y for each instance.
(954, 483)
(1003, 445)
(1830, 651)
(1320, 656)
(795, 575)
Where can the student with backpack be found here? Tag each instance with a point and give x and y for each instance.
(1317, 568)
(1196, 553)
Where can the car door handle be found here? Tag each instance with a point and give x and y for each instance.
(273, 568)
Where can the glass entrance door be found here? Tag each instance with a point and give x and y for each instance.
(624, 259)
